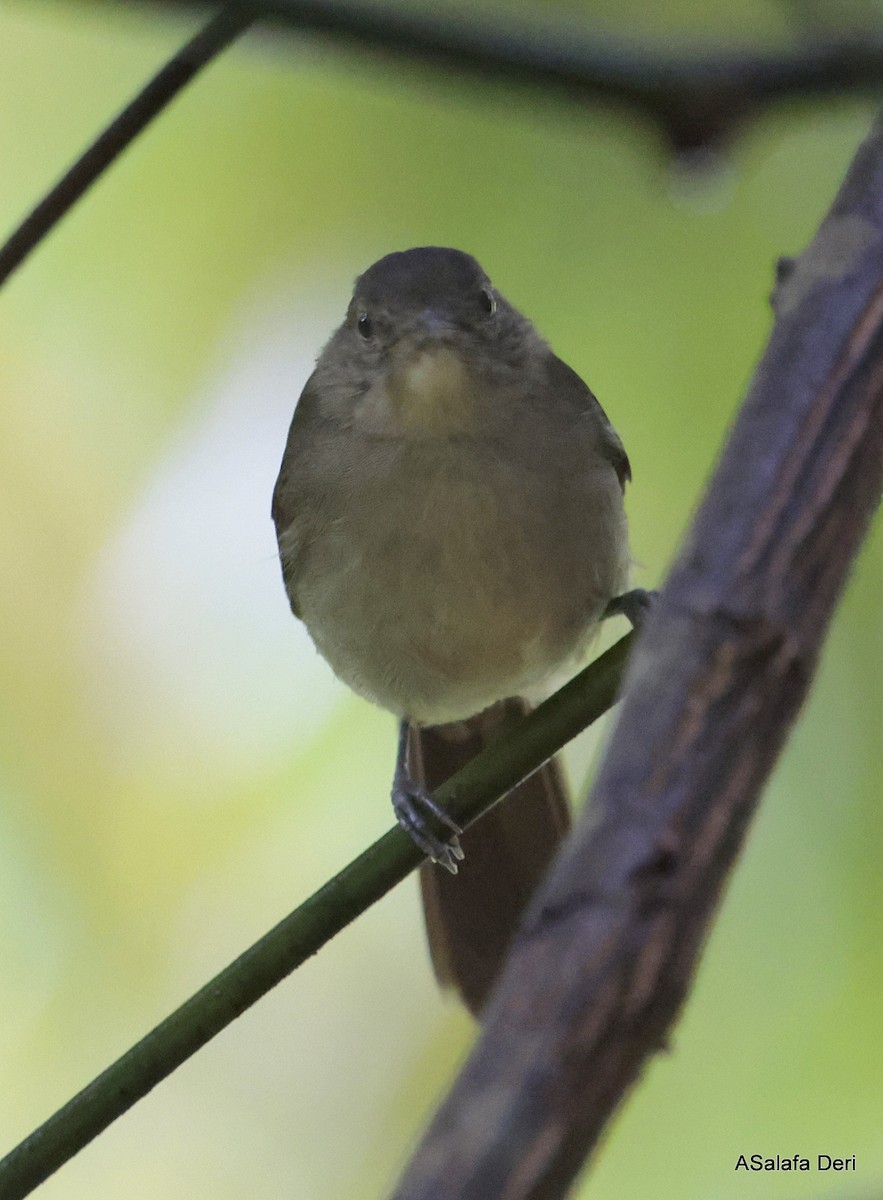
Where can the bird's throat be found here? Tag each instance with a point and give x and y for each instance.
(433, 393)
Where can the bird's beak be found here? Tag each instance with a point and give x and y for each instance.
(436, 324)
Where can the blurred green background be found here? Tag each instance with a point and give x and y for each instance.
(178, 768)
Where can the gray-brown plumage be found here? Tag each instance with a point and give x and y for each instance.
(451, 528)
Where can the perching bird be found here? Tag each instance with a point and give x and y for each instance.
(449, 513)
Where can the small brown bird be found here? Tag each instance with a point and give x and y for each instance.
(449, 513)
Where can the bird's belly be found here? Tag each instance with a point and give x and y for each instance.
(457, 588)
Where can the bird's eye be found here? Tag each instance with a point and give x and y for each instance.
(488, 301)
(365, 325)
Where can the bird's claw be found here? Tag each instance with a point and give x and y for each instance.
(633, 605)
(412, 805)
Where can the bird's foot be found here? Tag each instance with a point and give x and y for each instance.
(416, 812)
(633, 605)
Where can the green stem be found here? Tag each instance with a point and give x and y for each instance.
(515, 754)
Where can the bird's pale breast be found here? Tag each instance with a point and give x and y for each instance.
(449, 572)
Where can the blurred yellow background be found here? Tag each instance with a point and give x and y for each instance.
(178, 768)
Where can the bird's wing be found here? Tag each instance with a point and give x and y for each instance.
(284, 508)
(570, 388)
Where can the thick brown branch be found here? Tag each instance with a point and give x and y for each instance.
(610, 946)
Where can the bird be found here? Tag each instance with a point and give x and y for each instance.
(451, 528)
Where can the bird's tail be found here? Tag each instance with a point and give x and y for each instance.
(471, 917)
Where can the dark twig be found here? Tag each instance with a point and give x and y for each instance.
(699, 99)
(610, 944)
(220, 31)
(470, 792)
(698, 102)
